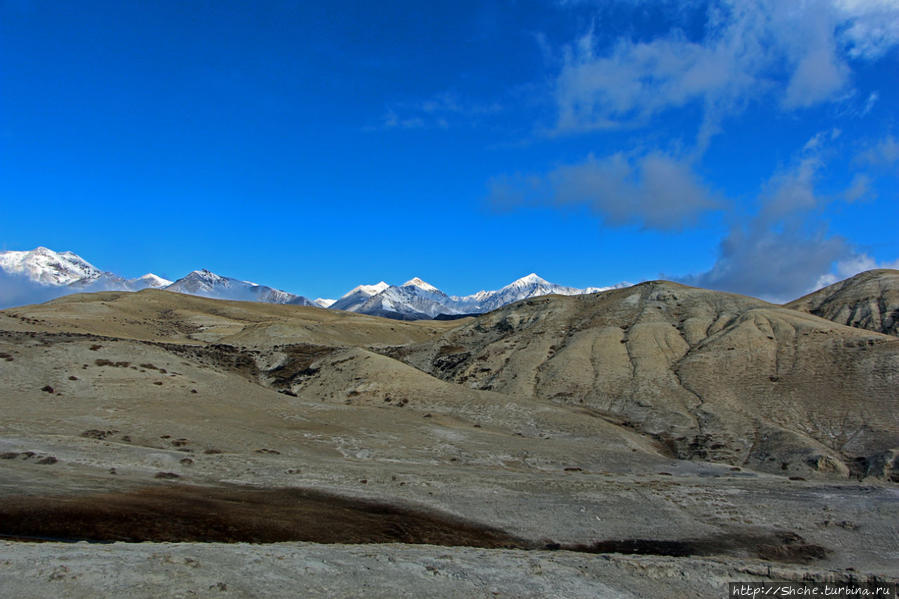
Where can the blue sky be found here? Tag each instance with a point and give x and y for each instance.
(745, 146)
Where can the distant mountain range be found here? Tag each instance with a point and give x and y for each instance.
(42, 274)
(416, 299)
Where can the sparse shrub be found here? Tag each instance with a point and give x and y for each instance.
(94, 433)
(102, 362)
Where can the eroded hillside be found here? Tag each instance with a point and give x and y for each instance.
(554, 423)
(713, 375)
(869, 300)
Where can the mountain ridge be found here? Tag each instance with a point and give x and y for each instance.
(868, 300)
(52, 274)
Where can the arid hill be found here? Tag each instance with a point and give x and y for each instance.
(712, 375)
(869, 300)
(164, 316)
(518, 442)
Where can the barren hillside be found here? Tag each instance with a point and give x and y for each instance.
(869, 300)
(546, 430)
(712, 375)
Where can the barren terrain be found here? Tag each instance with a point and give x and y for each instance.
(653, 438)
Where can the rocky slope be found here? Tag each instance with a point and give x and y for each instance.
(712, 375)
(869, 300)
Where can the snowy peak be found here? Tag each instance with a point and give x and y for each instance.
(531, 279)
(205, 275)
(357, 296)
(208, 284)
(41, 274)
(409, 302)
(417, 299)
(150, 281)
(46, 267)
(416, 282)
(201, 282)
(368, 290)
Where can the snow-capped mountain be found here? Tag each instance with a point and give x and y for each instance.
(357, 296)
(416, 299)
(106, 281)
(208, 284)
(150, 281)
(528, 286)
(46, 267)
(419, 284)
(412, 300)
(43, 266)
(42, 274)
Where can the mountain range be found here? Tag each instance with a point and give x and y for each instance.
(42, 274)
(658, 431)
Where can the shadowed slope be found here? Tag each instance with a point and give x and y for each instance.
(187, 513)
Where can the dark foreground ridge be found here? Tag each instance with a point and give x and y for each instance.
(186, 513)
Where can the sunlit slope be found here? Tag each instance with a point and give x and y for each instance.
(173, 317)
(713, 375)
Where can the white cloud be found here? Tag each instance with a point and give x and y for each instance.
(18, 290)
(439, 111)
(884, 152)
(796, 52)
(775, 265)
(859, 189)
(778, 254)
(656, 190)
(391, 120)
(850, 267)
(871, 26)
(791, 191)
(869, 103)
